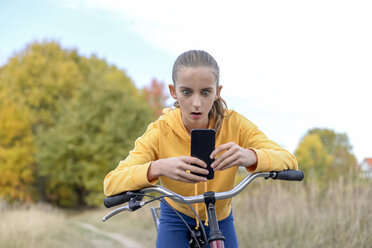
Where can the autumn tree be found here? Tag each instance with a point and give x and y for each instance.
(324, 154)
(32, 85)
(16, 153)
(156, 95)
(65, 121)
(313, 158)
(39, 76)
(94, 131)
(339, 147)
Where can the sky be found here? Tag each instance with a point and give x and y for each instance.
(288, 66)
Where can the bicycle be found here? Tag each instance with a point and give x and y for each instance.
(197, 239)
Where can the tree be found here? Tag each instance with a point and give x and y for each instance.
(325, 154)
(339, 147)
(65, 121)
(313, 158)
(33, 83)
(156, 95)
(94, 131)
(16, 153)
(39, 77)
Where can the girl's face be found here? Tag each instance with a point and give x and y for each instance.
(195, 90)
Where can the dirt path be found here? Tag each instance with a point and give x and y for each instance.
(126, 242)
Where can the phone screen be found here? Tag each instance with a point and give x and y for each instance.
(202, 145)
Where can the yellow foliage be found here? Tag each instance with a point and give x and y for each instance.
(40, 76)
(311, 152)
(313, 158)
(61, 123)
(16, 152)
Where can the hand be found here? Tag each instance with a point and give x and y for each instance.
(234, 155)
(178, 168)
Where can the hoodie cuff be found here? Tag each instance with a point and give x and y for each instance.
(263, 162)
(139, 177)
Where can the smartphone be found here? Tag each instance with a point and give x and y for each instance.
(202, 145)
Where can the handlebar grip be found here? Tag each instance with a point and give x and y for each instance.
(118, 199)
(290, 175)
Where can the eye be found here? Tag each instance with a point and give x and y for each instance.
(206, 92)
(186, 92)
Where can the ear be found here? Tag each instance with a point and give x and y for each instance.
(172, 91)
(218, 92)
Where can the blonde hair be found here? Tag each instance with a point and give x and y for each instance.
(196, 58)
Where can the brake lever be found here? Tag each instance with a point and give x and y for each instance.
(135, 203)
(132, 206)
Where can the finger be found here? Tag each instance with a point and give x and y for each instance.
(195, 169)
(222, 157)
(180, 174)
(223, 162)
(219, 149)
(195, 160)
(227, 163)
(193, 178)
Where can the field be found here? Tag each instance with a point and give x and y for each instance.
(267, 214)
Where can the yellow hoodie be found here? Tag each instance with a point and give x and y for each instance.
(167, 137)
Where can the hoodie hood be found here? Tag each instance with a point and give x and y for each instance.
(173, 119)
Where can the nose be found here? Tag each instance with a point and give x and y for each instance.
(196, 101)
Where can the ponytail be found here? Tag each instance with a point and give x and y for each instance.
(217, 113)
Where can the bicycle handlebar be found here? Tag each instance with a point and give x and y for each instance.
(118, 199)
(291, 175)
(216, 239)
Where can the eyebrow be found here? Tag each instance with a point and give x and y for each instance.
(186, 88)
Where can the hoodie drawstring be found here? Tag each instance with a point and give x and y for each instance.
(205, 207)
(197, 206)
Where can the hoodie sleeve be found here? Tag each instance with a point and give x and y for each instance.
(270, 156)
(131, 173)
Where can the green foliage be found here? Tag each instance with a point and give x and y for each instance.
(94, 131)
(32, 84)
(65, 122)
(339, 147)
(323, 154)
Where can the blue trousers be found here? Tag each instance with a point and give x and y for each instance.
(173, 232)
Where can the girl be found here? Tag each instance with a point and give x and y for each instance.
(162, 153)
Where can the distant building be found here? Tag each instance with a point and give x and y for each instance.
(366, 167)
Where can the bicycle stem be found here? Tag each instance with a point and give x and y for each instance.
(215, 234)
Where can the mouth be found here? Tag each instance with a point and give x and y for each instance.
(196, 115)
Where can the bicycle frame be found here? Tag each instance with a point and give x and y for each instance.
(216, 239)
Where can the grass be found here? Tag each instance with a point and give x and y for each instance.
(267, 214)
(44, 226)
(137, 225)
(288, 214)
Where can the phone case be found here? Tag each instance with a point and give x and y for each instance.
(202, 145)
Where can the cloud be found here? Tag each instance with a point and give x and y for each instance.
(310, 61)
